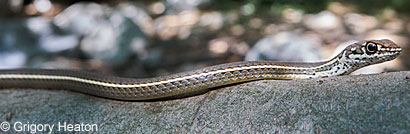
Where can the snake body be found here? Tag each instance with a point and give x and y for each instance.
(355, 56)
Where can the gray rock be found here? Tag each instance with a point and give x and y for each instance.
(348, 104)
(324, 20)
(285, 46)
(327, 25)
(107, 33)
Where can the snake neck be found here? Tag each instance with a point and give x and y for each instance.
(339, 65)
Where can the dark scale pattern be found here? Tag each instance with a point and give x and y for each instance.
(243, 74)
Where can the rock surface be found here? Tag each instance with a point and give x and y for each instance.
(347, 104)
(279, 47)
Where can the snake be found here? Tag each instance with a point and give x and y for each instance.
(353, 57)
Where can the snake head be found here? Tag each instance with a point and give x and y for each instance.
(370, 52)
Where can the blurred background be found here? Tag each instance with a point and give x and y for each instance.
(149, 38)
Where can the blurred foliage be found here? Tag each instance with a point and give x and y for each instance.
(371, 7)
(375, 6)
(172, 29)
(267, 5)
(311, 6)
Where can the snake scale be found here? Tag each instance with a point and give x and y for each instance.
(353, 57)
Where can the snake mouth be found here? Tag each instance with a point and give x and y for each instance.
(394, 51)
(388, 46)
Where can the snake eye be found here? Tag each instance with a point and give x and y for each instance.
(371, 47)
